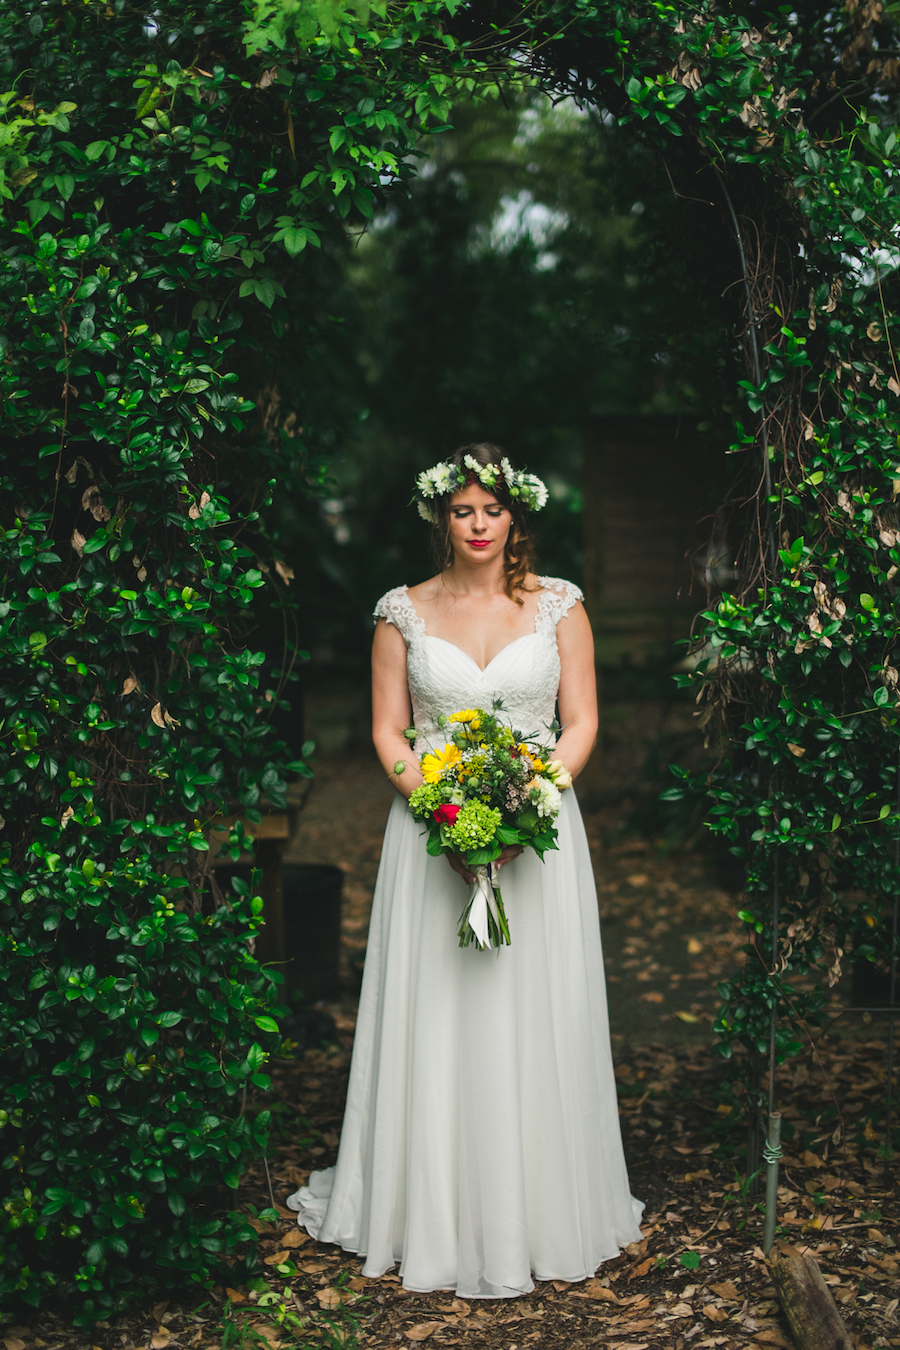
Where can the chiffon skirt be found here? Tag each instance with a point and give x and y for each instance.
(481, 1143)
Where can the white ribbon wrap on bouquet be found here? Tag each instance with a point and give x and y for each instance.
(482, 901)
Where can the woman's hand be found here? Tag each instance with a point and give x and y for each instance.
(459, 864)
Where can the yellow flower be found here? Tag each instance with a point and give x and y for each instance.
(434, 765)
(539, 765)
(468, 715)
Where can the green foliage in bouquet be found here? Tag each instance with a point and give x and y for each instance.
(488, 788)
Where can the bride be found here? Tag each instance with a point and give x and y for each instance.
(481, 1144)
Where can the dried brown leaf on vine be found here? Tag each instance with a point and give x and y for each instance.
(156, 715)
(130, 685)
(78, 542)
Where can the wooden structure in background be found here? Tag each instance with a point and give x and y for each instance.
(270, 836)
(649, 499)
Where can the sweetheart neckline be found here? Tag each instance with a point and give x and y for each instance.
(432, 637)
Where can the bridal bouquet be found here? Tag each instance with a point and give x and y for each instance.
(487, 789)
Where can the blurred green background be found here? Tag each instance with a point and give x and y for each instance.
(539, 279)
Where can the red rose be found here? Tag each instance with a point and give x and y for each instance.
(446, 815)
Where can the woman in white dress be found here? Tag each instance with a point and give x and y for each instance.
(481, 1144)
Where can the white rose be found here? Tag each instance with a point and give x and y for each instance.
(559, 773)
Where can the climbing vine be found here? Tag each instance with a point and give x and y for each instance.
(164, 183)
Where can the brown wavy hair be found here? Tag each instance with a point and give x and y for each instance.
(519, 557)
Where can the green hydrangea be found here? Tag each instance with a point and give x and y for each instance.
(475, 826)
(425, 800)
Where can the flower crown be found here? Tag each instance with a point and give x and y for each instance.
(446, 477)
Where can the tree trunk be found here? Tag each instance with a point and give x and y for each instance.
(807, 1303)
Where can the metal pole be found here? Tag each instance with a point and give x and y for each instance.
(889, 1086)
(772, 1153)
(776, 915)
(892, 996)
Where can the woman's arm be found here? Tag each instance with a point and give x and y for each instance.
(391, 711)
(577, 690)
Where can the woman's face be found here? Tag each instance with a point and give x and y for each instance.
(479, 525)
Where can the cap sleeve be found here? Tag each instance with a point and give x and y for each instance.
(557, 598)
(397, 608)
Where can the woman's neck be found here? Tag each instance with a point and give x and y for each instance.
(461, 578)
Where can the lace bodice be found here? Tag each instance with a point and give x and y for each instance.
(443, 678)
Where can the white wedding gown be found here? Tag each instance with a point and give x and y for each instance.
(481, 1141)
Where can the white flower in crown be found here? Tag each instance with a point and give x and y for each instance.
(533, 488)
(445, 478)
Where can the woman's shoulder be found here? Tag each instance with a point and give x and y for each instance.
(558, 587)
(396, 607)
(425, 591)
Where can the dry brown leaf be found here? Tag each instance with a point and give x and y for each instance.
(295, 1238)
(156, 715)
(459, 1307)
(875, 1235)
(594, 1289)
(687, 1017)
(422, 1330)
(772, 1337)
(682, 1310)
(728, 1290)
(313, 1267)
(277, 1258)
(269, 1335)
(160, 1338)
(130, 685)
(639, 879)
(284, 571)
(260, 1226)
(653, 996)
(810, 1159)
(235, 1295)
(641, 1269)
(78, 542)
(329, 1298)
(13, 1343)
(713, 1313)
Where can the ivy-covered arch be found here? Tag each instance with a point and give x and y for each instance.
(162, 184)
